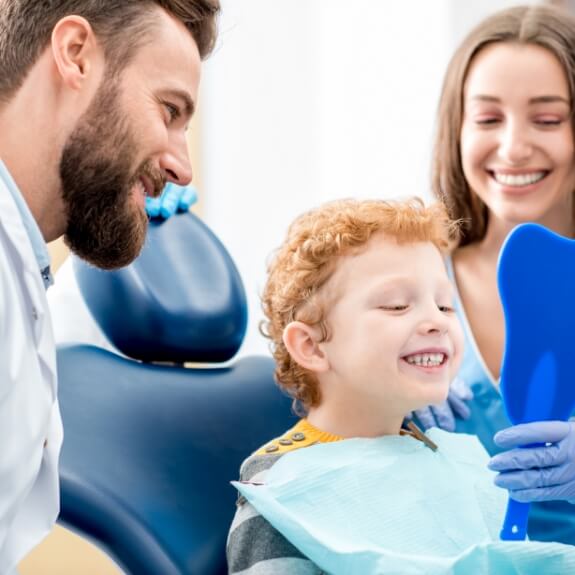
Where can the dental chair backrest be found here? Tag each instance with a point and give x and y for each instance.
(149, 448)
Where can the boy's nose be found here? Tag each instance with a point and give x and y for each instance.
(434, 321)
(433, 327)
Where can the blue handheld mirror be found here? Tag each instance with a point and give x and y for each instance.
(536, 279)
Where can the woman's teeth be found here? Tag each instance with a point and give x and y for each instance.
(426, 359)
(518, 180)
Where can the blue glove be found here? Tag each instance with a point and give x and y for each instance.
(444, 414)
(173, 199)
(543, 472)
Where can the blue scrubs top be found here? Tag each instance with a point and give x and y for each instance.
(548, 521)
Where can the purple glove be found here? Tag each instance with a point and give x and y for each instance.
(543, 472)
(444, 414)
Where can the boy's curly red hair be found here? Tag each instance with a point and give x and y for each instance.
(308, 257)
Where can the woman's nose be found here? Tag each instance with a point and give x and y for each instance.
(515, 145)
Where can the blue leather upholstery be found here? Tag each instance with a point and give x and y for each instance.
(149, 450)
(181, 300)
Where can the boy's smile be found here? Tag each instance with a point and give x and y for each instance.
(395, 342)
(429, 360)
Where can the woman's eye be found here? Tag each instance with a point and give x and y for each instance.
(487, 121)
(482, 117)
(548, 121)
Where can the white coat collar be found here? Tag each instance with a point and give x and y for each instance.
(34, 234)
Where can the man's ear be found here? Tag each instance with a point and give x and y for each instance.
(74, 48)
(302, 342)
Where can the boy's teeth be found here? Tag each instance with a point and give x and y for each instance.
(518, 180)
(426, 359)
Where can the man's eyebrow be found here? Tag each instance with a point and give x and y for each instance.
(189, 106)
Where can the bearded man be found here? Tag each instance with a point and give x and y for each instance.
(95, 99)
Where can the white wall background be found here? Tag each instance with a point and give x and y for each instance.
(309, 100)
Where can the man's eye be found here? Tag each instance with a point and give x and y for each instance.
(173, 111)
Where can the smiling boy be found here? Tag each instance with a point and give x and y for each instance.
(359, 312)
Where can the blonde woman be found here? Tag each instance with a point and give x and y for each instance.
(504, 155)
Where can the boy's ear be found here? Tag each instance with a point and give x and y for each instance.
(302, 342)
(74, 49)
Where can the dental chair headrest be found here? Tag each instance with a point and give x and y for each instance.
(182, 300)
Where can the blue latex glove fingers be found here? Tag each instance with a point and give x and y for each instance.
(170, 200)
(540, 473)
(459, 394)
(537, 477)
(559, 492)
(173, 198)
(460, 389)
(188, 198)
(459, 407)
(547, 484)
(177, 199)
(424, 416)
(444, 416)
(532, 457)
(528, 433)
(435, 416)
(153, 206)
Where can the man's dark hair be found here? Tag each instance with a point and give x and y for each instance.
(122, 26)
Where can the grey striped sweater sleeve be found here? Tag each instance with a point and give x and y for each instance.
(254, 547)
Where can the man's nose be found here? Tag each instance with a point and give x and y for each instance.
(175, 161)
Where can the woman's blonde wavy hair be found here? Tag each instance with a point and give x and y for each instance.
(306, 260)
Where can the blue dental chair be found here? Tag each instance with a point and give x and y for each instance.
(150, 446)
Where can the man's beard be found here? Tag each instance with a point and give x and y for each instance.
(106, 226)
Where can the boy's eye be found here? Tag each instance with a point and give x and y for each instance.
(446, 308)
(395, 307)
